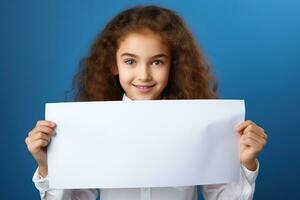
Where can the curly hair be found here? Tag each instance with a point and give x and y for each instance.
(189, 77)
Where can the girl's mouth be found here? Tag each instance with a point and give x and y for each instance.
(144, 88)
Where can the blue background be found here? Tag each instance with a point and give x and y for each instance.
(253, 46)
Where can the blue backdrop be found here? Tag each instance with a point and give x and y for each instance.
(253, 46)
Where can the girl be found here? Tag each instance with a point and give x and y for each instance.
(148, 53)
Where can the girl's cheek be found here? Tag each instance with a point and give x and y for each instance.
(163, 73)
(126, 76)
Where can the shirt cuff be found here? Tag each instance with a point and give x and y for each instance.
(41, 183)
(250, 175)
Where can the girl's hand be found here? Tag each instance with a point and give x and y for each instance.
(37, 142)
(252, 141)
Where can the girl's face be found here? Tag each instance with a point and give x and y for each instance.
(143, 65)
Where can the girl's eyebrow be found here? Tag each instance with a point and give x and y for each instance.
(135, 56)
(160, 55)
(129, 54)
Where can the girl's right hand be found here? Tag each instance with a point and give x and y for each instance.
(37, 141)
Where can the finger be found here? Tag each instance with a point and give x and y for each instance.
(256, 137)
(45, 123)
(39, 135)
(243, 125)
(256, 130)
(36, 146)
(41, 128)
(250, 142)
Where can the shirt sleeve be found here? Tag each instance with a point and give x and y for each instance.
(46, 193)
(242, 190)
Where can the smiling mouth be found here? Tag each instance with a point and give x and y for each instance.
(143, 86)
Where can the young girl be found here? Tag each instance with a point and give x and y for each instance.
(148, 53)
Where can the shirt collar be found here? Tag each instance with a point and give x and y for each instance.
(126, 98)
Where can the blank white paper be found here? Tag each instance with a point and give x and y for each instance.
(152, 143)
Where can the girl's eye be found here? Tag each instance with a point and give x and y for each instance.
(130, 61)
(157, 62)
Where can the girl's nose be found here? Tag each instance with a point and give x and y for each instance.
(144, 73)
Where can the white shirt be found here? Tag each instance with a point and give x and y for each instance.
(241, 190)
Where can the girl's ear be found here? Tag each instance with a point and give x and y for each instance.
(114, 70)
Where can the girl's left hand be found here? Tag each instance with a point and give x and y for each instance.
(252, 141)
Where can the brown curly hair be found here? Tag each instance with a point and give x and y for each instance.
(189, 78)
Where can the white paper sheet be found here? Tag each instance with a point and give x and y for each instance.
(129, 144)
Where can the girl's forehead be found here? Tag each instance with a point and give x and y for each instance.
(143, 43)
